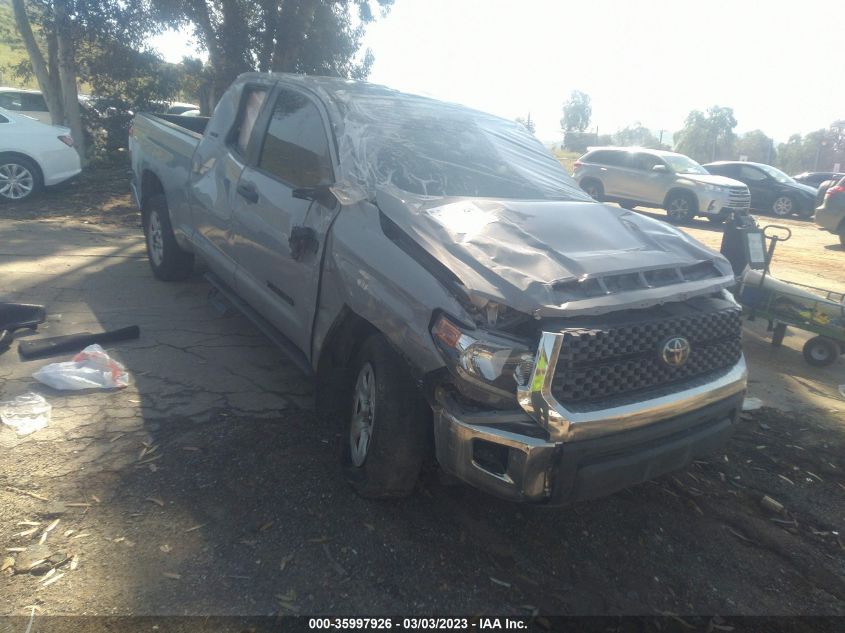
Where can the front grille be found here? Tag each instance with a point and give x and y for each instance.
(740, 198)
(603, 363)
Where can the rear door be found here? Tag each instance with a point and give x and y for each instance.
(615, 172)
(216, 167)
(278, 236)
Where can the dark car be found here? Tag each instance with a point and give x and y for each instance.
(772, 191)
(815, 178)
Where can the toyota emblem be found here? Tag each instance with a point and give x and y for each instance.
(675, 351)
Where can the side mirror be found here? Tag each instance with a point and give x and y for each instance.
(660, 169)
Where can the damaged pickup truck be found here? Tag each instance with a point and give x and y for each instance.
(449, 285)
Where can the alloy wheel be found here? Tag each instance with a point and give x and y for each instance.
(16, 181)
(155, 239)
(363, 415)
(783, 206)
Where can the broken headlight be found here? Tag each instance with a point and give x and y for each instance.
(487, 366)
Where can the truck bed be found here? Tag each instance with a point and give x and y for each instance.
(194, 124)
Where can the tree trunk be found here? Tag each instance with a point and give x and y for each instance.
(201, 16)
(67, 77)
(39, 66)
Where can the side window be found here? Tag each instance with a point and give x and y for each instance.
(296, 148)
(749, 173)
(3, 119)
(33, 102)
(11, 101)
(645, 162)
(251, 102)
(609, 157)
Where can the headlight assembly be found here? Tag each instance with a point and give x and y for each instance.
(487, 367)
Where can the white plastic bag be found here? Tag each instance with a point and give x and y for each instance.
(26, 413)
(91, 368)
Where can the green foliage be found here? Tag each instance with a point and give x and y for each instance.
(12, 52)
(816, 151)
(637, 136)
(757, 147)
(708, 137)
(577, 112)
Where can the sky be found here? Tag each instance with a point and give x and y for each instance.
(777, 64)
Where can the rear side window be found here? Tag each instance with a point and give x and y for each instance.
(33, 102)
(296, 148)
(251, 102)
(11, 101)
(608, 157)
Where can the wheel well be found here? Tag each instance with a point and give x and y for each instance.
(684, 192)
(150, 186)
(29, 158)
(342, 342)
(587, 179)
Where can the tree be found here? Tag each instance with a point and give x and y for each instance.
(708, 137)
(301, 36)
(73, 33)
(527, 123)
(757, 147)
(637, 136)
(577, 112)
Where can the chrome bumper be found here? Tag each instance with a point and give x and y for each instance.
(538, 469)
(563, 425)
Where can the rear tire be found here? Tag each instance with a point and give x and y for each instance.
(20, 179)
(821, 351)
(387, 437)
(167, 259)
(593, 188)
(680, 207)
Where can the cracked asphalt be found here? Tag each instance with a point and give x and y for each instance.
(210, 487)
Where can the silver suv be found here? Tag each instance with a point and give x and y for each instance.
(634, 177)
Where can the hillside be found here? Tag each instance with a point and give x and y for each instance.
(12, 51)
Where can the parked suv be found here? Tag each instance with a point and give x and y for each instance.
(655, 178)
(831, 213)
(772, 191)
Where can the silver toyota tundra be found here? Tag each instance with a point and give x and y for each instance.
(452, 290)
(641, 177)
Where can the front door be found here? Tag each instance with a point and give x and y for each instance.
(278, 235)
(649, 185)
(759, 185)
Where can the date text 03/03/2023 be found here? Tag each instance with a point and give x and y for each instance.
(425, 623)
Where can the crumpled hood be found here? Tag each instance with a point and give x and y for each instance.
(521, 253)
(712, 179)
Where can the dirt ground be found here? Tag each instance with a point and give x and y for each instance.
(209, 486)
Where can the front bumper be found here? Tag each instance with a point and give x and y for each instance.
(720, 203)
(509, 455)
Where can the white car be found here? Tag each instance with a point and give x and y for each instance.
(28, 102)
(33, 154)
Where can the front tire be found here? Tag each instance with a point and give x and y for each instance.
(386, 432)
(167, 259)
(783, 206)
(680, 207)
(20, 178)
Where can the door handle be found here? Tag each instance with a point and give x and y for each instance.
(248, 192)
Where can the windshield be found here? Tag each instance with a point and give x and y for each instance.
(777, 174)
(683, 165)
(432, 148)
